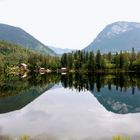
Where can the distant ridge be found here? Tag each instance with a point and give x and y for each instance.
(61, 50)
(117, 36)
(19, 36)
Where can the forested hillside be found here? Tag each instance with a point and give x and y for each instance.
(12, 55)
(19, 36)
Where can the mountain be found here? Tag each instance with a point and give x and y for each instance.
(117, 36)
(18, 36)
(61, 51)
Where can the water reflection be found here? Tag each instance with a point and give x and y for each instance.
(76, 106)
(122, 82)
(15, 92)
(119, 93)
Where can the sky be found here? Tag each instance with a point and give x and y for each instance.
(67, 23)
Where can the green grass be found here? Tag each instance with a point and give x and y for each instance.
(24, 137)
(121, 138)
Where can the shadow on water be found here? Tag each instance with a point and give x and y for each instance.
(118, 93)
(16, 92)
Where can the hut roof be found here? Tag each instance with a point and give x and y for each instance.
(22, 64)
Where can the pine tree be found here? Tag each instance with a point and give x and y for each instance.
(98, 60)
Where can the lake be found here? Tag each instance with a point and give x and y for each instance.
(70, 106)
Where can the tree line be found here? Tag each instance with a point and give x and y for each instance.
(90, 61)
(11, 55)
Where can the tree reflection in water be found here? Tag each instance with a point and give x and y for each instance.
(118, 93)
(121, 81)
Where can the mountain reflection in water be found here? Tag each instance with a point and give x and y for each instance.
(72, 106)
(15, 92)
(118, 93)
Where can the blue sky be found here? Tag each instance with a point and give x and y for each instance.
(67, 23)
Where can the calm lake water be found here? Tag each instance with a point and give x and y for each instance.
(71, 106)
